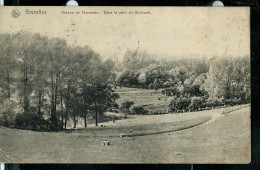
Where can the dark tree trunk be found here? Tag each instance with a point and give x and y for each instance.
(62, 112)
(55, 95)
(85, 111)
(54, 120)
(8, 86)
(96, 110)
(26, 90)
(75, 121)
(39, 102)
(7, 69)
(52, 95)
(85, 120)
(67, 106)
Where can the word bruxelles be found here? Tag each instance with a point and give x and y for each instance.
(27, 11)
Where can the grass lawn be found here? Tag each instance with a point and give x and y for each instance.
(226, 140)
(147, 98)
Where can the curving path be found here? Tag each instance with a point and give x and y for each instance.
(151, 128)
(197, 123)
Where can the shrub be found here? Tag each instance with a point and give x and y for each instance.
(213, 103)
(179, 103)
(166, 84)
(31, 121)
(233, 102)
(7, 114)
(217, 103)
(138, 110)
(7, 118)
(196, 103)
(171, 91)
(125, 106)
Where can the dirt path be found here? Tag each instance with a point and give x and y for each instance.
(142, 125)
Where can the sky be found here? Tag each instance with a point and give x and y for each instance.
(165, 32)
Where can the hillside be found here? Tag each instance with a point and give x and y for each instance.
(219, 141)
(151, 100)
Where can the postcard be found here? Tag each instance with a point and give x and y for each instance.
(125, 85)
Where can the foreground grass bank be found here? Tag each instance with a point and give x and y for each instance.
(226, 140)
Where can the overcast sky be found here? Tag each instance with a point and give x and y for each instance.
(166, 31)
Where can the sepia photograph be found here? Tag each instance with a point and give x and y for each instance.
(125, 85)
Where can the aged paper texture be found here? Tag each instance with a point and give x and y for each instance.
(125, 85)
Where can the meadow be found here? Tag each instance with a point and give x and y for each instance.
(227, 139)
(151, 100)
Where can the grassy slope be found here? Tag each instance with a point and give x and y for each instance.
(144, 97)
(141, 97)
(225, 140)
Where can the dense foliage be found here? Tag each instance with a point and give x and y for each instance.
(194, 82)
(137, 110)
(46, 82)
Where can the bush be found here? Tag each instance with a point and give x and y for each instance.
(7, 118)
(196, 103)
(213, 103)
(233, 102)
(166, 84)
(138, 110)
(31, 121)
(21, 121)
(125, 106)
(171, 91)
(7, 115)
(179, 103)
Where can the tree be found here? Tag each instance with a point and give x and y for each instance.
(125, 106)
(24, 45)
(104, 98)
(142, 78)
(136, 60)
(241, 78)
(156, 84)
(86, 65)
(179, 74)
(39, 76)
(218, 80)
(7, 64)
(57, 51)
(55, 82)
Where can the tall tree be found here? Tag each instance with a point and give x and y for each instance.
(7, 64)
(24, 45)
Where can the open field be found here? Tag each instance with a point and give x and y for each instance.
(225, 140)
(147, 98)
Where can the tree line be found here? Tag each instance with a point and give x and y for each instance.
(45, 82)
(193, 82)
